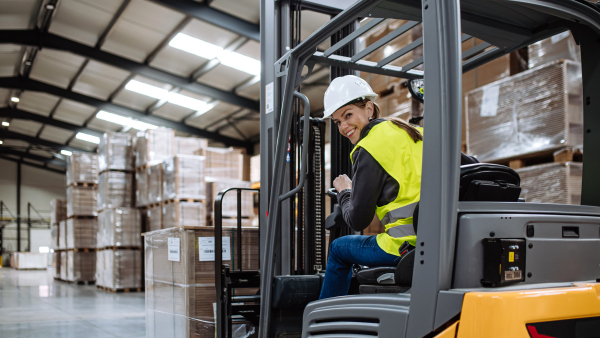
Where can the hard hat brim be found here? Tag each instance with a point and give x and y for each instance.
(329, 112)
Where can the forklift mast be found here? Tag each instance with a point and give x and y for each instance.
(436, 296)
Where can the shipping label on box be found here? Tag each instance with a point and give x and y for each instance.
(206, 245)
(174, 249)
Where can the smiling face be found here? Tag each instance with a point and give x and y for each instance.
(351, 119)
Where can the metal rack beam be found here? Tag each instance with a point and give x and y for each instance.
(5, 134)
(15, 113)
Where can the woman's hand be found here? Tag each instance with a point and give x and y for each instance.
(342, 182)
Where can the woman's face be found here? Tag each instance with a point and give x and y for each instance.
(351, 119)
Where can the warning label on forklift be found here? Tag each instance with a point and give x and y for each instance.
(512, 275)
(269, 98)
(206, 247)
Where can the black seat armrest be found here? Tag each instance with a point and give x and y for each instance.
(376, 276)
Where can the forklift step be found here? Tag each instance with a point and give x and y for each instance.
(238, 299)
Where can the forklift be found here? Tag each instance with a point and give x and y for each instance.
(486, 264)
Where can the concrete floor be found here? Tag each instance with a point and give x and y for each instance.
(33, 304)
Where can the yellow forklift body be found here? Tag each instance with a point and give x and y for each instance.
(505, 314)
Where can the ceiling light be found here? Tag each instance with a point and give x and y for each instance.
(5, 124)
(87, 138)
(124, 121)
(139, 125)
(14, 99)
(146, 89)
(1, 142)
(186, 101)
(195, 46)
(240, 62)
(66, 152)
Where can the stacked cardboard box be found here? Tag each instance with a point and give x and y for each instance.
(224, 163)
(229, 203)
(120, 227)
(154, 146)
(115, 152)
(535, 111)
(154, 176)
(183, 178)
(189, 145)
(552, 183)
(79, 231)
(115, 190)
(55, 265)
(62, 235)
(29, 260)
(180, 278)
(120, 269)
(182, 213)
(58, 210)
(558, 47)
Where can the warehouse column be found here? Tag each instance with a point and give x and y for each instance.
(18, 206)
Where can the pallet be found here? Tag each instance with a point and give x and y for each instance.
(82, 282)
(82, 250)
(82, 217)
(125, 290)
(189, 200)
(120, 248)
(117, 171)
(568, 154)
(153, 205)
(83, 184)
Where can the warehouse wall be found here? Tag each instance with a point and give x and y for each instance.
(38, 187)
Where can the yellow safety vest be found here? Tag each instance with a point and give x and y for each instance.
(401, 158)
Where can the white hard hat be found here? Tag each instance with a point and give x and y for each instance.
(344, 90)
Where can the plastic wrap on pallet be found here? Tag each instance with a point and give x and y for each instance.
(122, 269)
(232, 222)
(223, 163)
(82, 233)
(229, 204)
(154, 145)
(81, 201)
(100, 268)
(552, 183)
(30, 260)
(558, 47)
(180, 279)
(54, 236)
(58, 210)
(56, 264)
(189, 145)
(119, 227)
(176, 214)
(255, 168)
(115, 190)
(63, 265)
(141, 188)
(82, 167)
(115, 152)
(62, 235)
(154, 218)
(154, 179)
(538, 110)
(81, 266)
(183, 178)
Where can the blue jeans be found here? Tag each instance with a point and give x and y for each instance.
(346, 251)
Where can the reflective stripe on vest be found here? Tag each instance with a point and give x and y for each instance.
(401, 157)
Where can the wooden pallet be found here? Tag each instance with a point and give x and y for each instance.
(189, 200)
(126, 290)
(82, 250)
(116, 171)
(82, 282)
(120, 248)
(83, 184)
(567, 154)
(82, 217)
(153, 205)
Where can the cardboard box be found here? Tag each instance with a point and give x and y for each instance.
(81, 266)
(183, 178)
(54, 236)
(30, 261)
(82, 201)
(56, 264)
(189, 145)
(223, 163)
(115, 152)
(154, 146)
(229, 204)
(535, 111)
(119, 227)
(82, 168)
(58, 210)
(119, 269)
(115, 190)
(63, 265)
(154, 183)
(154, 218)
(178, 214)
(558, 47)
(552, 183)
(62, 234)
(141, 188)
(82, 232)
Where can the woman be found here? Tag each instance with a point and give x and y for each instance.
(386, 165)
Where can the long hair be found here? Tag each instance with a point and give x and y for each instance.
(413, 132)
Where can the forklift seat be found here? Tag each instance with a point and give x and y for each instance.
(478, 182)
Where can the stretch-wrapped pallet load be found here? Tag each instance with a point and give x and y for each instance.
(100, 267)
(115, 152)
(63, 265)
(183, 178)
(82, 168)
(56, 264)
(536, 111)
(154, 146)
(255, 169)
(82, 201)
(154, 179)
(224, 163)
(180, 277)
(141, 187)
(62, 235)
(54, 236)
(229, 202)
(81, 266)
(558, 47)
(115, 189)
(189, 145)
(122, 268)
(120, 227)
(154, 218)
(82, 233)
(58, 210)
(552, 183)
(188, 214)
(30, 260)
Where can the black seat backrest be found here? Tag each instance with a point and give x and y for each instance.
(489, 182)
